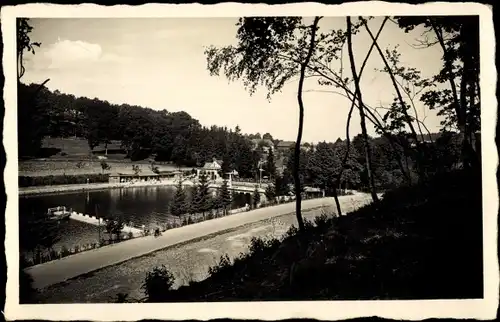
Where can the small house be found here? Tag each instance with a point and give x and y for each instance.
(284, 146)
(211, 170)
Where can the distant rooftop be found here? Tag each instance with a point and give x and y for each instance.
(143, 173)
(285, 144)
(266, 141)
(214, 165)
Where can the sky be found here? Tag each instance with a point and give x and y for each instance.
(160, 63)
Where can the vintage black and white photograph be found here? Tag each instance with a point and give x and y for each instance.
(261, 157)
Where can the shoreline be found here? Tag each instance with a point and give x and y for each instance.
(46, 190)
(43, 190)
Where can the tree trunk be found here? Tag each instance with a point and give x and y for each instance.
(296, 170)
(368, 154)
(337, 202)
(468, 156)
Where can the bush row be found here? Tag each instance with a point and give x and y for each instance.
(29, 181)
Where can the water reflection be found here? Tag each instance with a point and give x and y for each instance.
(141, 205)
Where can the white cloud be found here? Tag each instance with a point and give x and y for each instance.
(73, 54)
(67, 53)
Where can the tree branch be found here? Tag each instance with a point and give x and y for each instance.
(449, 72)
(358, 95)
(393, 79)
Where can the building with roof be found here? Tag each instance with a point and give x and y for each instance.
(211, 170)
(284, 146)
(266, 144)
(313, 192)
(146, 176)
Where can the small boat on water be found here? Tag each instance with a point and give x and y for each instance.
(58, 213)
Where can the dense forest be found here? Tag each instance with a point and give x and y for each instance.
(143, 132)
(178, 137)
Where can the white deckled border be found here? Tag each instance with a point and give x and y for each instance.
(331, 310)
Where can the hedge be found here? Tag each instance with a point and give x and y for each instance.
(28, 181)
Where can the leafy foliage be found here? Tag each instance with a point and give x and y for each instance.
(270, 192)
(136, 169)
(32, 117)
(114, 226)
(157, 284)
(270, 165)
(255, 198)
(24, 43)
(224, 197)
(258, 57)
(459, 102)
(105, 166)
(178, 206)
(202, 201)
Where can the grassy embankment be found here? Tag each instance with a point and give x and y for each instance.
(71, 156)
(421, 242)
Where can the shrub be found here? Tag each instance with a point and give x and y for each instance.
(64, 251)
(157, 284)
(292, 231)
(259, 245)
(121, 298)
(53, 254)
(24, 261)
(224, 263)
(321, 220)
(29, 181)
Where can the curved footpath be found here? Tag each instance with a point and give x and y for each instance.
(57, 271)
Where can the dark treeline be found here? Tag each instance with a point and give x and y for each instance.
(143, 132)
(320, 165)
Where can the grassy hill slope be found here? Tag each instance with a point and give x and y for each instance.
(71, 156)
